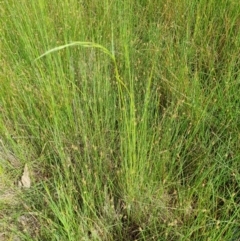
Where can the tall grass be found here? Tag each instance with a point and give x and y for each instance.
(127, 114)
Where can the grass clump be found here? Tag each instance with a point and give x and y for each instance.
(127, 115)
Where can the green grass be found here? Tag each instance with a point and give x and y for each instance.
(127, 114)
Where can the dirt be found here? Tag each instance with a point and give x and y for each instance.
(8, 194)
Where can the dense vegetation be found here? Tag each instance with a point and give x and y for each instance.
(129, 121)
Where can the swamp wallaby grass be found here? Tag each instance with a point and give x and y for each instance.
(127, 116)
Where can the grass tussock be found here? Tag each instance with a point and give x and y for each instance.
(127, 115)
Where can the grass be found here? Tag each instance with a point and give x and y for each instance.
(127, 115)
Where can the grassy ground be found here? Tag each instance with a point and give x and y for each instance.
(131, 132)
